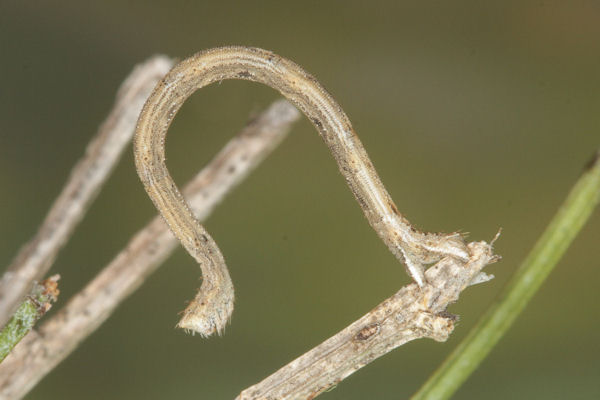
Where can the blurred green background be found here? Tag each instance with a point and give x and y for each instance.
(477, 115)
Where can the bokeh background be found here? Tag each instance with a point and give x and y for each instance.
(477, 115)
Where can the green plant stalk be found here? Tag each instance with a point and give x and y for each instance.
(35, 305)
(553, 243)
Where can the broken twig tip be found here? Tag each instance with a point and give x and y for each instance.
(51, 286)
(496, 236)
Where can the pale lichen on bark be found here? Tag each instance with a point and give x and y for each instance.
(34, 307)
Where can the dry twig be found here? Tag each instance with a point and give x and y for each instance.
(35, 258)
(410, 314)
(41, 351)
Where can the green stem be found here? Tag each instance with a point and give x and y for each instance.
(570, 218)
(33, 308)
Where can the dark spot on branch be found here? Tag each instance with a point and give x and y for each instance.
(368, 331)
(393, 207)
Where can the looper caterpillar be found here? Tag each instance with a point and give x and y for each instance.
(213, 305)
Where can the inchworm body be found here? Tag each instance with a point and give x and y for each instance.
(213, 305)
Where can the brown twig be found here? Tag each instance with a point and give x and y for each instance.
(35, 258)
(41, 351)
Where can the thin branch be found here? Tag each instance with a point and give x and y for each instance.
(35, 258)
(41, 351)
(542, 259)
(35, 305)
(412, 313)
